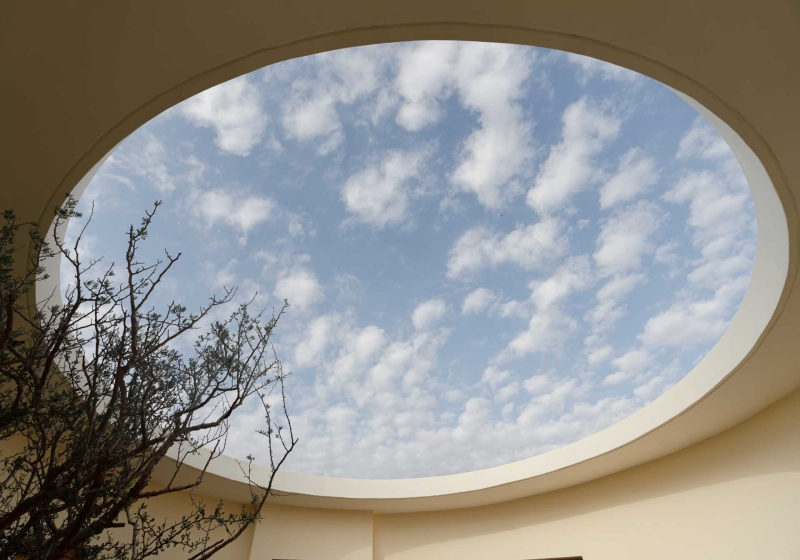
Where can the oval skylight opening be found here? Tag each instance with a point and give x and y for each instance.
(490, 251)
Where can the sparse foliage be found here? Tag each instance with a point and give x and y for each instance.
(94, 393)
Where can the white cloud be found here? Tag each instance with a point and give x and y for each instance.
(299, 286)
(492, 158)
(236, 209)
(628, 365)
(428, 313)
(589, 67)
(277, 263)
(702, 142)
(495, 376)
(545, 333)
(424, 77)
(650, 388)
(694, 322)
(145, 157)
(320, 333)
(503, 394)
(219, 277)
(665, 253)
(348, 285)
(721, 222)
(380, 194)
(599, 355)
(480, 300)
(602, 413)
(150, 163)
(386, 422)
(536, 384)
(610, 307)
(339, 77)
(233, 110)
(407, 362)
(515, 308)
(454, 395)
(721, 217)
(625, 238)
(619, 286)
(715, 272)
(313, 118)
(633, 360)
(549, 403)
(299, 226)
(570, 165)
(719, 213)
(528, 247)
(370, 403)
(549, 327)
(336, 347)
(572, 276)
(361, 348)
(488, 80)
(635, 174)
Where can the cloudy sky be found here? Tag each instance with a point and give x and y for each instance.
(490, 251)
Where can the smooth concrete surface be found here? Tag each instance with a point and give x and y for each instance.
(306, 533)
(77, 77)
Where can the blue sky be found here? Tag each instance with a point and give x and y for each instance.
(490, 251)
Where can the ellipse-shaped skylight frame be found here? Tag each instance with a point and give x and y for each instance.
(760, 301)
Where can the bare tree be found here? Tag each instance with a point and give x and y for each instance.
(94, 393)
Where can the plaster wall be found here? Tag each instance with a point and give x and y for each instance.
(313, 534)
(171, 507)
